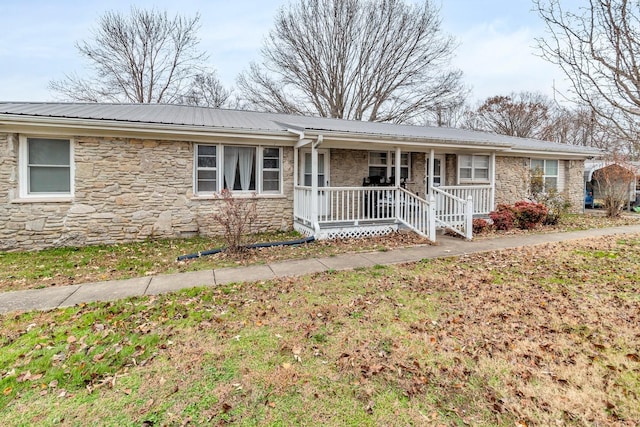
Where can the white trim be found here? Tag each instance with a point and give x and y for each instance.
(259, 156)
(559, 176)
(390, 165)
(23, 171)
(430, 165)
(327, 165)
(473, 179)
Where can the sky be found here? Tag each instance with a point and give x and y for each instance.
(496, 50)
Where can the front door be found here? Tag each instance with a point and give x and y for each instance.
(438, 172)
(323, 176)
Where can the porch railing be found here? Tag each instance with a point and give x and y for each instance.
(355, 205)
(417, 213)
(482, 196)
(453, 212)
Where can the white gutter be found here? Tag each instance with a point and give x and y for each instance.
(92, 127)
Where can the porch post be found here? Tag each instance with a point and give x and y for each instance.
(314, 183)
(296, 165)
(397, 166)
(468, 218)
(432, 218)
(397, 190)
(431, 166)
(492, 197)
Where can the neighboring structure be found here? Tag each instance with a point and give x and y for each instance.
(78, 174)
(598, 174)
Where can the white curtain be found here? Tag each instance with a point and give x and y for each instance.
(230, 164)
(246, 156)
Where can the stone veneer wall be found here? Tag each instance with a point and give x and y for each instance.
(125, 190)
(513, 177)
(574, 184)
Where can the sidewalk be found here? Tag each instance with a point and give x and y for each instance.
(65, 296)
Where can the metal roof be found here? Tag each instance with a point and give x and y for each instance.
(221, 119)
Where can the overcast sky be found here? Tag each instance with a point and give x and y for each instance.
(496, 41)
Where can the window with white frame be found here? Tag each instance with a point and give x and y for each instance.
(549, 171)
(238, 168)
(46, 167)
(473, 168)
(382, 163)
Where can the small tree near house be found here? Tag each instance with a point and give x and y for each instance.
(613, 183)
(237, 216)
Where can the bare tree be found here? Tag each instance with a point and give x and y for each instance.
(206, 91)
(598, 49)
(524, 114)
(145, 57)
(380, 60)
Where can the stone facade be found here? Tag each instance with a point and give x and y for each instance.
(574, 184)
(132, 189)
(125, 190)
(512, 179)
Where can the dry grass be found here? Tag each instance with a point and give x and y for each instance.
(68, 266)
(546, 335)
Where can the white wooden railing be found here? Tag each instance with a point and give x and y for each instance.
(453, 212)
(417, 213)
(302, 205)
(354, 205)
(482, 196)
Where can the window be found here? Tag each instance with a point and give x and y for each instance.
(46, 167)
(271, 170)
(207, 170)
(549, 169)
(382, 163)
(240, 169)
(473, 168)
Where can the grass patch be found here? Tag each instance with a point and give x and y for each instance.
(67, 266)
(438, 342)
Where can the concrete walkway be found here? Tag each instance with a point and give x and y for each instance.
(65, 296)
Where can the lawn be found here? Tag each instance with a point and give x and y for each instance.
(67, 266)
(545, 335)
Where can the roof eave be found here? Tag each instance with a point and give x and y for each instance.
(98, 127)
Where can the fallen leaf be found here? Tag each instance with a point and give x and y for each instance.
(633, 357)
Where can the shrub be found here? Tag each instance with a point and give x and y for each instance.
(557, 204)
(479, 225)
(503, 217)
(529, 215)
(236, 216)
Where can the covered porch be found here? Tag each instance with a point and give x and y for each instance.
(382, 204)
